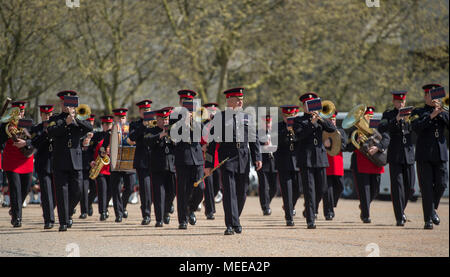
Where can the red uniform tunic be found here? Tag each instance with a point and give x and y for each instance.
(366, 166)
(336, 167)
(15, 161)
(105, 170)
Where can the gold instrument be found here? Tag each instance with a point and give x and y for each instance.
(336, 142)
(367, 136)
(445, 103)
(14, 132)
(328, 109)
(150, 123)
(83, 112)
(201, 115)
(100, 162)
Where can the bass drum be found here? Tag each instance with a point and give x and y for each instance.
(121, 156)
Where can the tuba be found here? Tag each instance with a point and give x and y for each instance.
(100, 162)
(83, 112)
(368, 136)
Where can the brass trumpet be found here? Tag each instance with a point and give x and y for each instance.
(83, 112)
(328, 109)
(445, 103)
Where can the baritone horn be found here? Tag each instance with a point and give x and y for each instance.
(83, 112)
(367, 136)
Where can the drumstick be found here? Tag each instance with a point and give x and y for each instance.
(212, 170)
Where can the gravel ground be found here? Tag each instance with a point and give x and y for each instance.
(262, 236)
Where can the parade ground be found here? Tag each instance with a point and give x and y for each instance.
(262, 236)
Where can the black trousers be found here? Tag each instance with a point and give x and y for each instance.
(212, 187)
(19, 185)
(335, 186)
(145, 191)
(129, 179)
(433, 180)
(267, 188)
(162, 185)
(68, 188)
(188, 197)
(47, 196)
(403, 178)
(92, 192)
(288, 181)
(314, 182)
(297, 188)
(104, 192)
(368, 187)
(210, 205)
(84, 195)
(235, 187)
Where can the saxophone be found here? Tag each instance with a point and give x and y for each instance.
(100, 162)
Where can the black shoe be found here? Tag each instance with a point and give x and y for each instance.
(83, 216)
(166, 219)
(182, 226)
(91, 211)
(366, 220)
(237, 229)
(17, 223)
(62, 228)
(192, 219)
(103, 217)
(401, 222)
(311, 225)
(404, 218)
(146, 221)
(172, 209)
(267, 212)
(48, 225)
(159, 224)
(125, 214)
(229, 231)
(210, 216)
(435, 218)
(329, 216)
(294, 212)
(428, 225)
(118, 219)
(69, 225)
(290, 223)
(332, 214)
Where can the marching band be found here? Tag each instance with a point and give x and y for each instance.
(74, 164)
